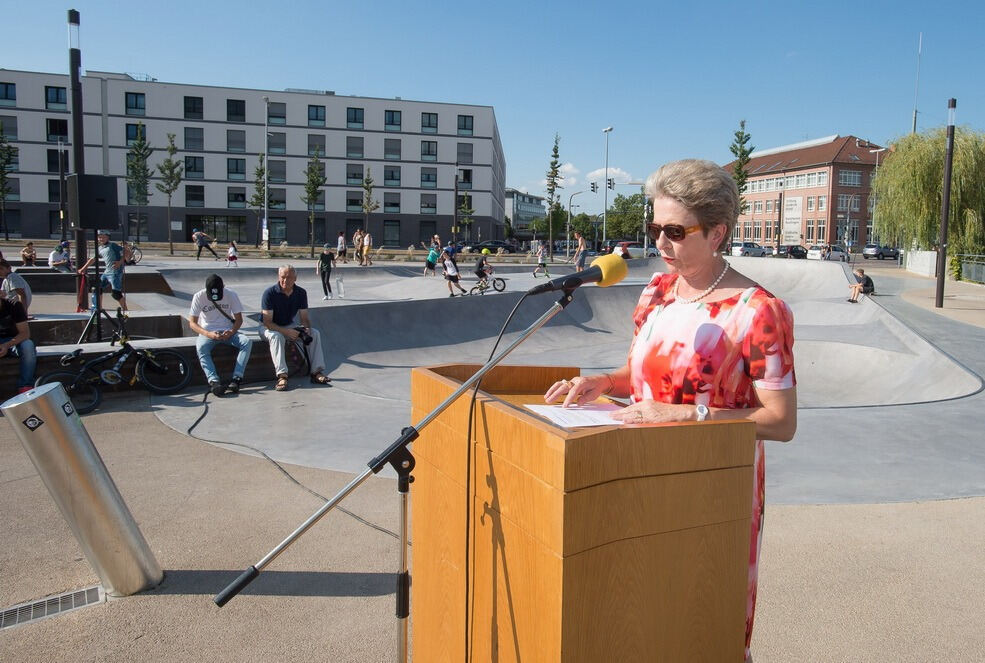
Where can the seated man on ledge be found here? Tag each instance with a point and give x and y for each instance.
(15, 340)
(280, 304)
(216, 315)
(864, 285)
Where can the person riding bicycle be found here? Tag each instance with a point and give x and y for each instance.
(216, 315)
(483, 269)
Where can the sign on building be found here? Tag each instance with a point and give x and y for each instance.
(792, 206)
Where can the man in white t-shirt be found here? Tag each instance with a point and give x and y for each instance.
(367, 247)
(14, 287)
(60, 260)
(216, 315)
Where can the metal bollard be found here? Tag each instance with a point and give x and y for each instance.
(77, 479)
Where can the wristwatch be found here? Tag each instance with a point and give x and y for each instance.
(700, 412)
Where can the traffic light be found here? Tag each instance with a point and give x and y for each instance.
(595, 187)
(612, 183)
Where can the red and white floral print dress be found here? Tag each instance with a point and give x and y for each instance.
(714, 353)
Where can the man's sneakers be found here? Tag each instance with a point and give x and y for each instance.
(326, 298)
(234, 385)
(217, 389)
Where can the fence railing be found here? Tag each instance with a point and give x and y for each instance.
(972, 267)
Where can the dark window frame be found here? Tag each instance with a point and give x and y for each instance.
(195, 110)
(135, 103)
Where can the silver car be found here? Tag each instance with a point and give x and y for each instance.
(748, 249)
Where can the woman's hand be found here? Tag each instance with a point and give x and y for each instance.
(654, 412)
(579, 390)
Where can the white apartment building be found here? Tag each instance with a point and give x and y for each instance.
(412, 149)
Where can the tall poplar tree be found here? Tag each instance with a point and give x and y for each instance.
(314, 180)
(741, 151)
(138, 172)
(171, 171)
(554, 179)
(256, 200)
(369, 205)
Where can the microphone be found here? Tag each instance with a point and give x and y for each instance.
(605, 271)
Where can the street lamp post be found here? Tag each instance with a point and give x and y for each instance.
(945, 205)
(779, 218)
(605, 193)
(567, 232)
(264, 229)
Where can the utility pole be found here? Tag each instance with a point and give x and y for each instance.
(567, 233)
(78, 149)
(945, 205)
(605, 193)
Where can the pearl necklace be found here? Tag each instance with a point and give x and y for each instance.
(703, 294)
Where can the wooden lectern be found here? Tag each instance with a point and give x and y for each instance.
(621, 543)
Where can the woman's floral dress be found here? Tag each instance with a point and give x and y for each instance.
(715, 353)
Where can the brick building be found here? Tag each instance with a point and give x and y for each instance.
(824, 185)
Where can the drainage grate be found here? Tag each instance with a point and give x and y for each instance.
(53, 605)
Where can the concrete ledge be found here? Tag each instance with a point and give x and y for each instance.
(67, 330)
(48, 281)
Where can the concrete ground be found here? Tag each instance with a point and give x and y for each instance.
(851, 572)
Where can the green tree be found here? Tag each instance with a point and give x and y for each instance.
(7, 154)
(171, 170)
(507, 227)
(256, 200)
(583, 223)
(465, 213)
(625, 216)
(314, 180)
(909, 190)
(538, 225)
(741, 150)
(369, 205)
(554, 179)
(138, 172)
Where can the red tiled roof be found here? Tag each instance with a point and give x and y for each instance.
(843, 149)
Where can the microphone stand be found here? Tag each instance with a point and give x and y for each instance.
(399, 457)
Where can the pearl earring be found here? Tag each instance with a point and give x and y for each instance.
(714, 254)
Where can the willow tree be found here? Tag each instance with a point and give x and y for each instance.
(910, 185)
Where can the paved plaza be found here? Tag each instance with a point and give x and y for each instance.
(874, 510)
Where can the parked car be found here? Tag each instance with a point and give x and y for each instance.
(635, 250)
(790, 251)
(835, 252)
(494, 245)
(880, 252)
(748, 249)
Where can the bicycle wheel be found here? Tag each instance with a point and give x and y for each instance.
(137, 254)
(163, 371)
(297, 360)
(476, 290)
(498, 284)
(85, 394)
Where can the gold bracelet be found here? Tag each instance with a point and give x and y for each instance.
(612, 384)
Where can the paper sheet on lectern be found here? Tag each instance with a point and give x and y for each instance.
(591, 414)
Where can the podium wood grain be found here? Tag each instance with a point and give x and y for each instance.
(625, 543)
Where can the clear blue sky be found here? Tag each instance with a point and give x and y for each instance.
(673, 79)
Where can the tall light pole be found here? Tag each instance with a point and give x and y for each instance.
(264, 230)
(605, 193)
(78, 145)
(567, 232)
(945, 205)
(779, 217)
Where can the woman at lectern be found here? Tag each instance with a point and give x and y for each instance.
(710, 343)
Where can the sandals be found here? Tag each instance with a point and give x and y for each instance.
(281, 383)
(318, 378)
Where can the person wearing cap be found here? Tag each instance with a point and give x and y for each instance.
(326, 261)
(203, 241)
(60, 259)
(216, 315)
(111, 254)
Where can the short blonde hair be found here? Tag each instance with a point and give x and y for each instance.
(703, 187)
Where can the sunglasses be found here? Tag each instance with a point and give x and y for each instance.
(674, 231)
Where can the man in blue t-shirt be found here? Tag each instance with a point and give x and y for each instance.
(111, 254)
(280, 305)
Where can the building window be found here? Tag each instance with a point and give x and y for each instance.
(278, 198)
(354, 118)
(55, 98)
(194, 195)
(236, 169)
(391, 203)
(757, 231)
(318, 205)
(391, 120)
(391, 232)
(277, 170)
(465, 178)
(54, 191)
(223, 228)
(464, 200)
(316, 145)
(801, 181)
(429, 178)
(137, 226)
(135, 103)
(822, 178)
(757, 207)
(194, 168)
(429, 150)
(426, 230)
(354, 173)
(277, 142)
(391, 149)
(276, 112)
(769, 206)
(235, 140)
(811, 179)
(8, 94)
(354, 147)
(465, 125)
(194, 138)
(8, 127)
(353, 201)
(465, 153)
(850, 177)
(391, 176)
(429, 123)
(809, 234)
(843, 200)
(15, 160)
(316, 116)
(235, 110)
(15, 192)
(57, 130)
(236, 196)
(822, 203)
(810, 203)
(194, 108)
(429, 204)
(132, 196)
(821, 229)
(277, 229)
(134, 130)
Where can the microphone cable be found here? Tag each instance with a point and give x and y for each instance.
(357, 518)
(470, 567)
